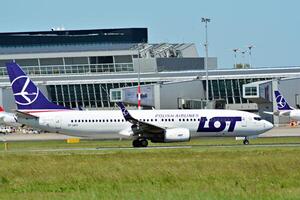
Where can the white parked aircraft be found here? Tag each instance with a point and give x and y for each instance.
(9, 119)
(35, 110)
(283, 108)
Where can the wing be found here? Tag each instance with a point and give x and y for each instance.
(279, 113)
(140, 126)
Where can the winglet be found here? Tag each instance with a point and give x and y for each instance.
(125, 112)
(282, 104)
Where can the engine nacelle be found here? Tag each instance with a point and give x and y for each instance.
(177, 135)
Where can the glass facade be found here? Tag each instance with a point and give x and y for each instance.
(250, 91)
(85, 95)
(230, 90)
(116, 95)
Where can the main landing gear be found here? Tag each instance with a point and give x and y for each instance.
(140, 142)
(246, 141)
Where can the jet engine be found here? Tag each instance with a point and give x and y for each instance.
(177, 135)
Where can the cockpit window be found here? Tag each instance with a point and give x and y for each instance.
(257, 118)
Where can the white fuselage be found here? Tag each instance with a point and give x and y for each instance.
(108, 123)
(295, 115)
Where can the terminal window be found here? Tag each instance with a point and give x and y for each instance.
(116, 95)
(250, 91)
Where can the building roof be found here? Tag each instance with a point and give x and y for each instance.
(74, 37)
(253, 73)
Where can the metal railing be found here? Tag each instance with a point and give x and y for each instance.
(74, 69)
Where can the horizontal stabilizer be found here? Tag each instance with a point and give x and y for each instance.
(276, 113)
(25, 115)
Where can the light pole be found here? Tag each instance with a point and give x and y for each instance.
(206, 20)
(235, 59)
(250, 47)
(139, 81)
(243, 56)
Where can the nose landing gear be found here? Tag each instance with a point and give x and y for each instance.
(246, 141)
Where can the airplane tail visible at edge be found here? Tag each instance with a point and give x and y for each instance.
(27, 95)
(1, 109)
(282, 104)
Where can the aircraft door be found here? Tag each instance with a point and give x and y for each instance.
(51, 122)
(57, 122)
(244, 122)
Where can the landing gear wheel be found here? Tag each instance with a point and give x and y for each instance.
(246, 142)
(143, 143)
(136, 143)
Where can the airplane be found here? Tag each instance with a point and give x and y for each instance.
(158, 126)
(283, 108)
(9, 119)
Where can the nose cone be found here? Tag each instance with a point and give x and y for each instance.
(268, 125)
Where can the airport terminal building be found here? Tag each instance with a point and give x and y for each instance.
(93, 69)
(77, 68)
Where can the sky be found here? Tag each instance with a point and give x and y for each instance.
(272, 26)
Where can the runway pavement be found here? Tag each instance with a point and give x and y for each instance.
(283, 131)
(103, 149)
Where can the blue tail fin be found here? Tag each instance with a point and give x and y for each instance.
(282, 104)
(27, 94)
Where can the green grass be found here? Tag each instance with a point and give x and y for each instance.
(203, 172)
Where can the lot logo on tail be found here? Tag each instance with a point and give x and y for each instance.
(281, 103)
(25, 91)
